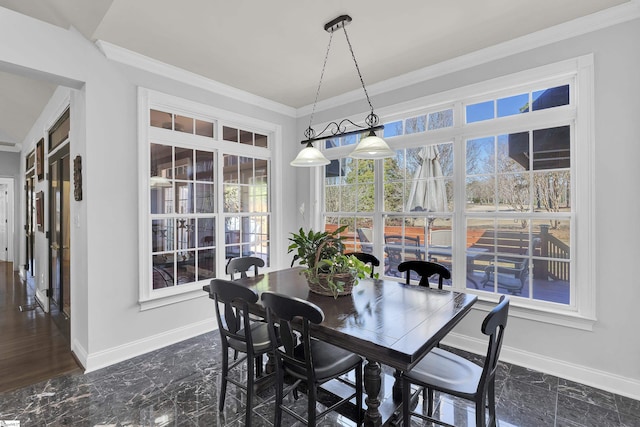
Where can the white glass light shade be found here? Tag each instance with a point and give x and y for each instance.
(372, 147)
(309, 157)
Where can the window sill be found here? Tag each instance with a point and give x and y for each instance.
(173, 295)
(569, 319)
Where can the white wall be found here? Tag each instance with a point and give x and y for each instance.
(608, 356)
(107, 324)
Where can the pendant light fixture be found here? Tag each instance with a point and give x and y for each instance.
(369, 147)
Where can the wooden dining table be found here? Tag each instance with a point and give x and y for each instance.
(386, 322)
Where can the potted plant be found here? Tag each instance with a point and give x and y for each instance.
(328, 270)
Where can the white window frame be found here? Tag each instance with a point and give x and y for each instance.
(149, 99)
(581, 311)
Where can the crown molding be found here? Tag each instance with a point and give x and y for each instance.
(136, 60)
(576, 27)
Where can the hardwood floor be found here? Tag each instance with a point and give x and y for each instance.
(32, 348)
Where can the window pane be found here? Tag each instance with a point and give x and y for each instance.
(161, 238)
(552, 97)
(163, 271)
(551, 148)
(514, 192)
(246, 170)
(204, 128)
(513, 152)
(231, 198)
(441, 119)
(393, 129)
(185, 267)
(205, 198)
(229, 134)
(481, 156)
(415, 124)
(261, 174)
(206, 232)
(230, 171)
(204, 166)
(349, 193)
(183, 164)
(206, 264)
(246, 137)
(185, 233)
(332, 198)
(553, 191)
(516, 104)
(261, 140)
(160, 119)
(184, 124)
(184, 197)
(480, 191)
(479, 112)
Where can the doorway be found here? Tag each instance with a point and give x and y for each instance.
(59, 238)
(30, 208)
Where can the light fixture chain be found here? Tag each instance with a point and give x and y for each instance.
(357, 68)
(324, 65)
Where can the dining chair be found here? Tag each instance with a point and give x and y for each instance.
(449, 373)
(307, 360)
(242, 265)
(239, 333)
(425, 269)
(367, 258)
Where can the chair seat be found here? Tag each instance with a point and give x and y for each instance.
(328, 360)
(444, 370)
(259, 335)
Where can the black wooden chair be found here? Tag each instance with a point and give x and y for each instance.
(367, 258)
(425, 269)
(451, 374)
(311, 361)
(242, 265)
(239, 333)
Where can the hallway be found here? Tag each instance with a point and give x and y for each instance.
(32, 348)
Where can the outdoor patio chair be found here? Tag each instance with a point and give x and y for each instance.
(510, 274)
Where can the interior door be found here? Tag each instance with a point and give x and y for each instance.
(59, 236)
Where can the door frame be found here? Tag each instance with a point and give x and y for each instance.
(10, 218)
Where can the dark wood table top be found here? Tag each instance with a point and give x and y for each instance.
(385, 321)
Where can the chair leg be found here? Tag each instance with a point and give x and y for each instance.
(250, 387)
(223, 383)
(277, 421)
(492, 404)
(311, 407)
(430, 402)
(359, 383)
(480, 412)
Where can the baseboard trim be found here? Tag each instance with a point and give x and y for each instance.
(102, 359)
(592, 377)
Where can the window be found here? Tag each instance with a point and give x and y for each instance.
(489, 179)
(208, 190)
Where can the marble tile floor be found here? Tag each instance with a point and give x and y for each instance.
(178, 386)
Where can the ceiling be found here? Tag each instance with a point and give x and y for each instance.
(275, 49)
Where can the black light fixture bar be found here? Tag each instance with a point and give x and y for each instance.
(338, 133)
(336, 24)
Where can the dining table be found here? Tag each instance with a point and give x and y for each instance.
(384, 321)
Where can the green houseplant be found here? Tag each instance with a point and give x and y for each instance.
(328, 270)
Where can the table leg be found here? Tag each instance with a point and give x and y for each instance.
(397, 386)
(372, 385)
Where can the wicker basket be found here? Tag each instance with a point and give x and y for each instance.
(321, 286)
